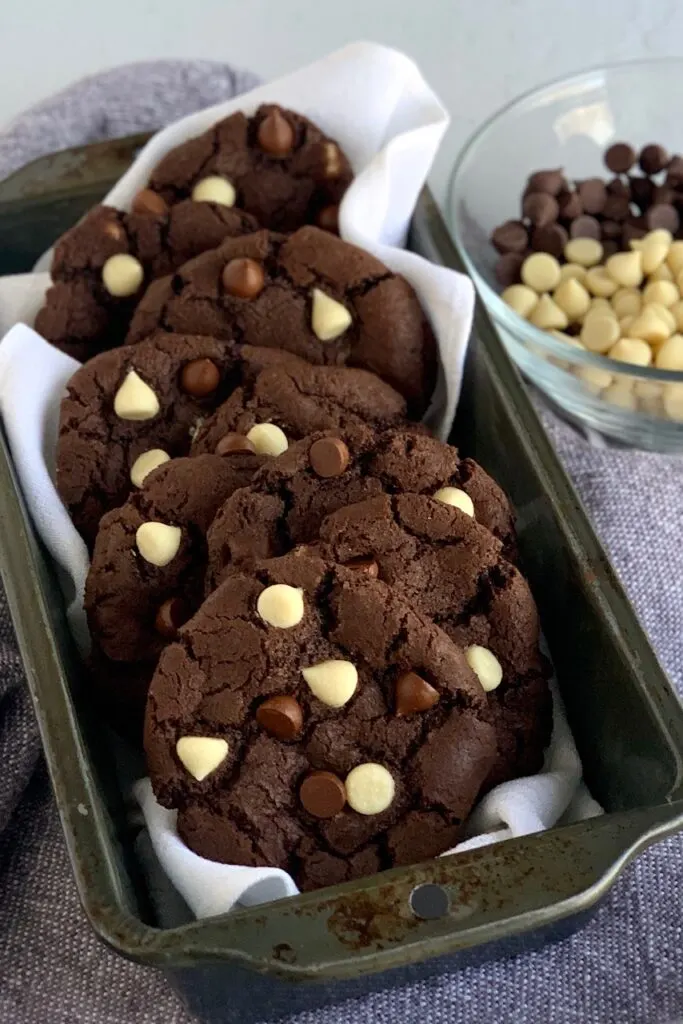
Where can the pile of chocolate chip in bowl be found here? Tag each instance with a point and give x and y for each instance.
(307, 607)
(599, 263)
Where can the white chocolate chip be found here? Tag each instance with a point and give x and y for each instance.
(332, 682)
(625, 322)
(567, 339)
(135, 400)
(599, 282)
(201, 755)
(599, 331)
(521, 298)
(572, 298)
(626, 268)
(672, 399)
(281, 605)
(621, 395)
(268, 439)
(662, 273)
(541, 271)
(572, 270)
(595, 378)
(661, 235)
(631, 350)
(649, 326)
(674, 258)
(329, 319)
(457, 498)
(485, 666)
(653, 254)
(664, 314)
(584, 251)
(627, 302)
(215, 189)
(145, 463)
(122, 275)
(370, 788)
(546, 314)
(677, 313)
(158, 543)
(670, 354)
(664, 292)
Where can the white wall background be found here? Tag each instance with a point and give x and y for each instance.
(476, 53)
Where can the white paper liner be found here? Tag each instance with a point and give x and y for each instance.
(377, 105)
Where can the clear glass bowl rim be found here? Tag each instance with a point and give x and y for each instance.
(492, 300)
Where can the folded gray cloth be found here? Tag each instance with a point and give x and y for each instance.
(625, 966)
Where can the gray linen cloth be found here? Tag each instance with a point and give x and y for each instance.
(626, 965)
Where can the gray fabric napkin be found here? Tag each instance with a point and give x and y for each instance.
(626, 965)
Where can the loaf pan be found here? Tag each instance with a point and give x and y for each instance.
(627, 720)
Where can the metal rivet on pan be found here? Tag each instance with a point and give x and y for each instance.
(429, 901)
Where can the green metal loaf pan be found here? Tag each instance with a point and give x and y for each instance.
(627, 721)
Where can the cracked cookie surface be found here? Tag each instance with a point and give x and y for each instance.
(450, 568)
(284, 170)
(272, 758)
(97, 448)
(134, 607)
(288, 498)
(80, 316)
(302, 399)
(311, 281)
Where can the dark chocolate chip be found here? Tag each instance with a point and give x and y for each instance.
(540, 208)
(243, 277)
(663, 194)
(275, 134)
(632, 230)
(585, 227)
(609, 248)
(570, 205)
(322, 794)
(653, 158)
(552, 239)
(550, 181)
(200, 378)
(611, 230)
(616, 207)
(674, 172)
(663, 215)
(328, 218)
(149, 203)
(641, 192)
(366, 566)
(508, 268)
(512, 236)
(329, 456)
(281, 716)
(619, 187)
(231, 443)
(593, 195)
(620, 157)
(172, 614)
(413, 693)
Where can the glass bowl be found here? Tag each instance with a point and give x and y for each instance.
(569, 124)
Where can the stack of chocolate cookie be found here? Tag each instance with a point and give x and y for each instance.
(315, 603)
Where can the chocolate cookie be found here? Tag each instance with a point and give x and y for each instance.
(102, 265)
(289, 497)
(128, 410)
(146, 577)
(276, 165)
(312, 294)
(277, 728)
(301, 399)
(450, 568)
